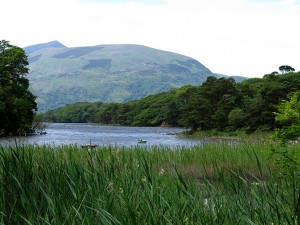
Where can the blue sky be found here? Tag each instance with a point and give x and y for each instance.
(233, 37)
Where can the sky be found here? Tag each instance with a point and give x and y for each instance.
(234, 37)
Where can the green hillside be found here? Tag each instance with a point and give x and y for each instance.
(108, 73)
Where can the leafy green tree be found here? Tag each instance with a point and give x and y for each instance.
(122, 114)
(286, 69)
(195, 111)
(288, 116)
(17, 103)
(172, 113)
(208, 106)
(107, 114)
(223, 97)
(236, 118)
(254, 118)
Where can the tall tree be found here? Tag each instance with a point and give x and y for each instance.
(207, 106)
(223, 96)
(286, 69)
(17, 103)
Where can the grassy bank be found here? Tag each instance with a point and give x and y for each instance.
(209, 184)
(241, 136)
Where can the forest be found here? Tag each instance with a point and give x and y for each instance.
(218, 103)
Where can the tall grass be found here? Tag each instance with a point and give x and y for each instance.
(209, 184)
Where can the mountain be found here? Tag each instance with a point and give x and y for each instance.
(51, 44)
(109, 73)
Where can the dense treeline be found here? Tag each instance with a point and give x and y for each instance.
(220, 104)
(17, 103)
(74, 113)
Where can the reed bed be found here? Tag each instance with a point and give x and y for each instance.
(208, 184)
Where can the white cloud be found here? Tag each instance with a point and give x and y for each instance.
(239, 37)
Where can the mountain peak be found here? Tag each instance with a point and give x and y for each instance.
(36, 47)
(56, 44)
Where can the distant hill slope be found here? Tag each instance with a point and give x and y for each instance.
(107, 73)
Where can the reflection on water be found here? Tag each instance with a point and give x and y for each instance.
(82, 134)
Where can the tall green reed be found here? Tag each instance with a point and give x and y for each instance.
(210, 184)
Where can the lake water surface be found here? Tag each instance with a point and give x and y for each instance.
(82, 134)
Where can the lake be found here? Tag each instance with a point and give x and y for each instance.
(82, 134)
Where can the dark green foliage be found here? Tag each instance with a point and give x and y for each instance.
(17, 103)
(108, 114)
(236, 118)
(196, 111)
(208, 106)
